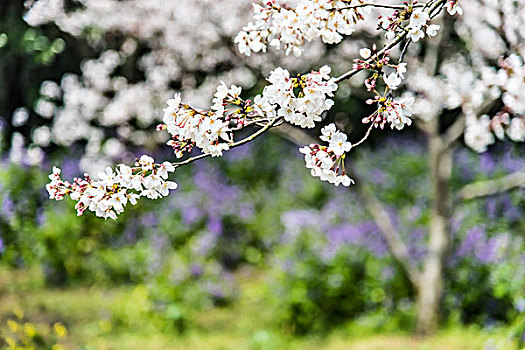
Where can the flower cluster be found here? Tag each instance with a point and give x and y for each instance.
(277, 25)
(418, 25)
(418, 18)
(396, 112)
(477, 133)
(327, 163)
(108, 195)
(206, 129)
(299, 101)
(371, 60)
(303, 108)
(510, 81)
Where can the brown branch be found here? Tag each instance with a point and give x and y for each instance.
(234, 144)
(454, 131)
(294, 135)
(487, 188)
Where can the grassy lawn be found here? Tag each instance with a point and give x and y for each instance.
(88, 314)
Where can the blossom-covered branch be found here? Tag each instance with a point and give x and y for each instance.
(299, 100)
(108, 195)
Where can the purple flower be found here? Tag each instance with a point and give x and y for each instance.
(8, 208)
(240, 153)
(204, 243)
(2, 247)
(364, 235)
(196, 270)
(487, 163)
(492, 208)
(40, 217)
(214, 225)
(416, 244)
(215, 290)
(509, 209)
(470, 243)
(148, 220)
(70, 168)
(246, 211)
(511, 163)
(296, 220)
(484, 249)
(378, 176)
(191, 214)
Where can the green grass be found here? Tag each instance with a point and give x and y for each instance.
(248, 324)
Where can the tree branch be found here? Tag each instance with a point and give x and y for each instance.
(454, 131)
(487, 188)
(397, 246)
(234, 144)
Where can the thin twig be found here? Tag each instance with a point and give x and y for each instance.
(232, 145)
(364, 137)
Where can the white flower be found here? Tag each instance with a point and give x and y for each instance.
(339, 144)
(398, 112)
(146, 162)
(164, 169)
(107, 177)
(393, 80)
(419, 18)
(327, 163)
(166, 186)
(453, 8)
(216, 150)
(289, 29)
(433, 29)
(416, 33)
(477, 133)
(516, 129)
(365, 53)
(222, 91)
(401, 70)
(327, 132)
(307, 109)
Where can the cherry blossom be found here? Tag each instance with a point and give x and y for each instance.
(275, 25)
(327, 163)
(464, 83)
(113, 190)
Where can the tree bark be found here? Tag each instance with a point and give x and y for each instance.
(430, 286)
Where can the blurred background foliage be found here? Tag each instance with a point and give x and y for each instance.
(250, 250)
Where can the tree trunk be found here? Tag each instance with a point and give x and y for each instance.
(430, 286)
